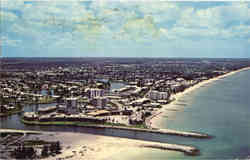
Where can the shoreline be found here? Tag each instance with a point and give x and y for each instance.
(105, 147)
(95, 147)
(156, 119)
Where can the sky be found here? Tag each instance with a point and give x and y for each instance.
(124, 28)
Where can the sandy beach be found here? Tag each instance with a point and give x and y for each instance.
(171, 108)
(82, 146)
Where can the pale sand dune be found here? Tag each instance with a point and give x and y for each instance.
(157, 120)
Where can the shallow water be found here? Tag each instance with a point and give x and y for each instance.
(116, 85)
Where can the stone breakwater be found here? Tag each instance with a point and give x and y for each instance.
(188, 150)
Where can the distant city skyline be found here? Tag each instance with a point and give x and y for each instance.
(125, 29)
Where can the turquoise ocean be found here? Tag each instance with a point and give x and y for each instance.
(221, 109)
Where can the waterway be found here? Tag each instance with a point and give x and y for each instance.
(13, 122)
(114, 85)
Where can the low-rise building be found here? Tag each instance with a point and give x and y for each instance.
(156, 95)
(94, 92)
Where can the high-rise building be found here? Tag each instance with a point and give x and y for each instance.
(99, 102)
(71, 104)
(156, 95)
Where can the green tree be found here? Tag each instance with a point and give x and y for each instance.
(55, 147)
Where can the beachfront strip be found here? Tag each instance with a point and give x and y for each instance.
(111, 93)
(17, 143)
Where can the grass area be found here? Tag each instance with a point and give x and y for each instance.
(46, 100)
(83, 124)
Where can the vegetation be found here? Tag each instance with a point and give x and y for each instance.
(77, 123)
(44, 100)
(27, 149)
(55, 147)
(4, 134)
(23, 152)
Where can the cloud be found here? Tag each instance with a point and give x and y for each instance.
(219, 16)
(220, 22)
(124, 23)
(162, 11)
(6, 41)
(12, 4)
(56, 12)
(6, 16)
(241, 30)
(165, 33)
(92, 31)
(141, 28)
(192, 18)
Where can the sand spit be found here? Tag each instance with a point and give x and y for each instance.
(95, 147)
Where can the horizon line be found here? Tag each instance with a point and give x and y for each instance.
(139, 57)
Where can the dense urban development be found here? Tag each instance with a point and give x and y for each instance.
(101, 92)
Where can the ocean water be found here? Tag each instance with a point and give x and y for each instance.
(221, 109)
